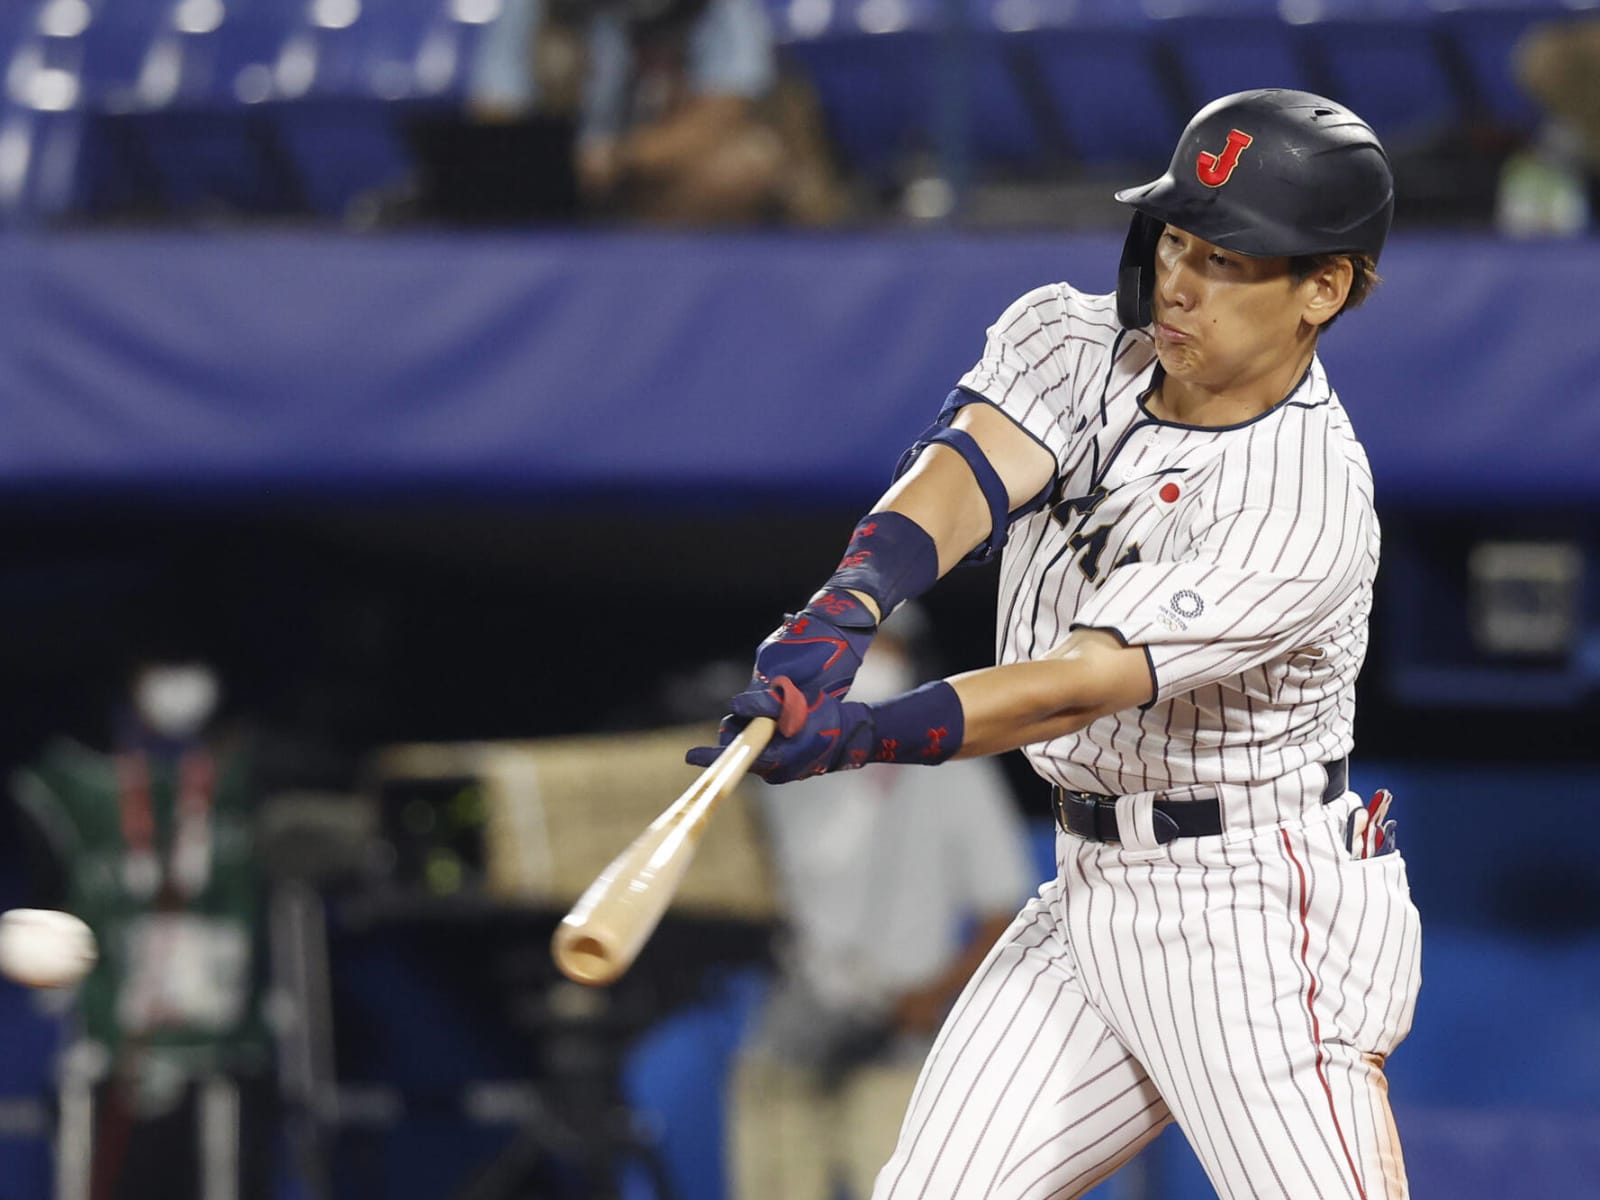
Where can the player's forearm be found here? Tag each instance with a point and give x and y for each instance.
(1008, 707)
(1088, 676)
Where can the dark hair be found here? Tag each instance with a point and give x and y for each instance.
(1363, 277)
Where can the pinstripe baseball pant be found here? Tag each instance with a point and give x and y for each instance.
(1248, 986)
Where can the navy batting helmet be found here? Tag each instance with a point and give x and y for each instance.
(1266, 173)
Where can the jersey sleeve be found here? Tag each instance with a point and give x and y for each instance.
(1259, 579)
(1034, 357)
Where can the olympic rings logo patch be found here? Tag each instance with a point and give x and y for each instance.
(1187, 604)
(1184, 606)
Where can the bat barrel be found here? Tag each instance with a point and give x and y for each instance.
(585, 958)
(599, 939)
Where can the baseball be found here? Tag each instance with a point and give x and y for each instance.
(43, 948)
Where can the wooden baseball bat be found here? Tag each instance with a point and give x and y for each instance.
(599, 939)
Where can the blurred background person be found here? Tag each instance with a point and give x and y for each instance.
(686, 120)
(893, 886)
(683, 116)
(1548, 187)
(152, 840)
(525, 61)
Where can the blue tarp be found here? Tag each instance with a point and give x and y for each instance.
(795, 365)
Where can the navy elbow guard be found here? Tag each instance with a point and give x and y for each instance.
(941, 433)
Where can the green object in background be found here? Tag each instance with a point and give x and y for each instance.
(178, 975)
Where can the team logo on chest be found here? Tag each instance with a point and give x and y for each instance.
(1213, 170)
(1088, 542)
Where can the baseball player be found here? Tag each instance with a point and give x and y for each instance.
(1189, 548)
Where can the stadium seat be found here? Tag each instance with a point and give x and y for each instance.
(1483, 35)
(45, 66)
(13, 19)
(183, 139)
(1010, 124)
(883, 73)
(1226, 46)
(1103, 72)
(392, 50)
(873, 80)
(340, 150)
(42, 108)
(342, 70)
(116, 45)
(230, 63)
(1383, 58)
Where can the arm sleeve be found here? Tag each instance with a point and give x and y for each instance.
(1258, 581)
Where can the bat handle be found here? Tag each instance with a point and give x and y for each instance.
(736, 757)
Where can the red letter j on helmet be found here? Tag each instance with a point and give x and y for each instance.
(1213, 169)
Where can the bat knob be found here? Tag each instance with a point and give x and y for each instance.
(792, 716)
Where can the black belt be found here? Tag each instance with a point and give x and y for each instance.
(1094, 817)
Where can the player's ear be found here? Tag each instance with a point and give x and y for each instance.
(1324, 289)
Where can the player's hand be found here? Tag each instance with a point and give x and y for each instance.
(831, 734)
(820, 648)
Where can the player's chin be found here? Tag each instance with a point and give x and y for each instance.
(1179, 362)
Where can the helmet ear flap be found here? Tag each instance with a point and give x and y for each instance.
(1136, 275)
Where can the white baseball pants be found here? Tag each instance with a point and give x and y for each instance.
(1248, 986)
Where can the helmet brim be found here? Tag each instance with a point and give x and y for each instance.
(1227, 225)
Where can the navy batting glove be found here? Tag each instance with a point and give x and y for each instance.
(820, 647)
(781, 700)
(922, 726)
(891, 559)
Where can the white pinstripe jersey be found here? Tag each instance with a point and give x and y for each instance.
(1241, 558)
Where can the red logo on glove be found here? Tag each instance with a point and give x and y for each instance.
(1213, 170)
(833, 603)
(935, 736)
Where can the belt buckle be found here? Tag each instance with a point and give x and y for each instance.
(1087, 804)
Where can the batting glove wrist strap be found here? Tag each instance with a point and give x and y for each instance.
(890, 558)
(925, 725)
